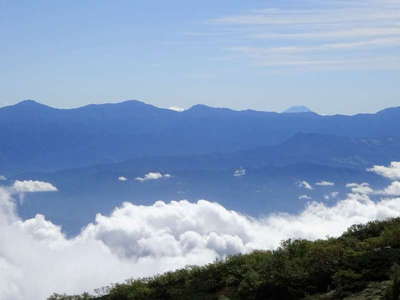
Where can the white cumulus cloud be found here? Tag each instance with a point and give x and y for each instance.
(152, 176)
(391, 172)
(122, 178)
(2, 178)
(392, 190)
(32, 186)
(360, 188)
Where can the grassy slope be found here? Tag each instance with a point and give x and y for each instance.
(361, 264)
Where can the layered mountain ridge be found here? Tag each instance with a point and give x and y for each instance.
(107, 133)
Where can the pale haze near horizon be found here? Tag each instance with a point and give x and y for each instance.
(335, 57)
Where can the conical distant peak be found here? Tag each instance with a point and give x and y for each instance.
(297, 109)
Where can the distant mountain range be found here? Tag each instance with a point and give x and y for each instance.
(248, 160)
(302, 148)
(36, 137)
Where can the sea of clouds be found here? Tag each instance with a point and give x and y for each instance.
(37, 259)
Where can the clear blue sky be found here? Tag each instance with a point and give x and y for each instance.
(334, 56)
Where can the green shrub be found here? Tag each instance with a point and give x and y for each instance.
(298, 268)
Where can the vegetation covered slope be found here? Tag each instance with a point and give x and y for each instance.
(361, 264)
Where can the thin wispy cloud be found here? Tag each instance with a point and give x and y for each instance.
(331, 195)
(383, 42)
(338, 34)
(305, 185)
(325, 183)
(239, 172)
(331, 35)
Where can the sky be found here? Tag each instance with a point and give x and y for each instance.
(337, 56)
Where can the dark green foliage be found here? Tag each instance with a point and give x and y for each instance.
(84, 296)
(393, 292)
(298, 268)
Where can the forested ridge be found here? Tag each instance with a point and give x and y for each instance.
(361, 264)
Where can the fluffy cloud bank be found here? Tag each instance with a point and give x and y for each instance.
(152, 176)
(127, 243)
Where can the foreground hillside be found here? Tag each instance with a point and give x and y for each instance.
(361, 264)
